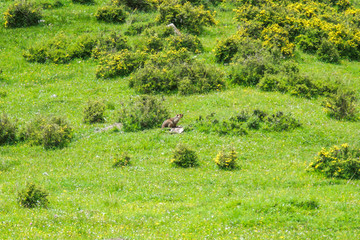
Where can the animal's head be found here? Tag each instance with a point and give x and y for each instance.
(179, 115)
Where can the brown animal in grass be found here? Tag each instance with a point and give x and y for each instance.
(171, 122)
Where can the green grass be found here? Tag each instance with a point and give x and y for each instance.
(271, 196)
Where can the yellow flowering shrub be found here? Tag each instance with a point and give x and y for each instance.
(226, 160)
(339, 162)
(121, 160)
(21, 14)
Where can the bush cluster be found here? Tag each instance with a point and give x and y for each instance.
(94, 112)
(109, 43)
(185, 15)
(51, 132)
(143, 112)
(143, 5)
(329, 28)
(83, 1)
(226, 160)
(7, 130)
(240, 123)
(184, 157)
(33, 196)
(340, 162)
(21, 14)
(111, 13)
(342, 105)
(61, 49)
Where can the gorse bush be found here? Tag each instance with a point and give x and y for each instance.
(7, 130)
(185, 16)
(175, 70)
(240, 123)
(83, 1)
(21, 14)
(184, 157)
(187, 41)
(33, 196)
(108, 44)
(226, 160)
(339, 162)
(327, 52)
(52, 132)
(136, 4)
(111, 14)
(137, 28)
(143, 112)
(342, 105)
(120, 64)
(94, 112)
(121, 160)
(61, 49)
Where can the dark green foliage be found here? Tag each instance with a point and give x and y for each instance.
(51, 5)
(342, 105)
(83, 1)
(7, 130)
(306, 204)
(61, 49)
(109, 43)
(111, 14)
(21, 14)
(33, 196)
(121, 160)
(52, 132)
(94, 112)
(143, 112)
(341, 162)
(137, 28)
(226, 160)
(184, 157)
(327, 52)
(226, 49)
(192, 18)
(143, 5)
(280, 122)
(120, 64)
(187, 41)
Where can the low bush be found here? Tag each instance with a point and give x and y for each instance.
(121, 160)
(120, 64)
(192, 18)
(94, 112)
(226, 49)
(83, 1)
(21, 14)
(52, 132)
(137, 28)
(184, 157)
(61, 49)
(280, 122)
(51, 5)
(143, 112)
(7, 130)
(109, 44)
(111, 14)
(328, 52)
(226, 160)
(143, 5)
(187, 41)
(33, 196)
(340, 162)
(342, 105)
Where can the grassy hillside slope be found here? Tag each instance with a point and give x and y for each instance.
(271, 195)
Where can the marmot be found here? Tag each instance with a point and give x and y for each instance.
(171, 122)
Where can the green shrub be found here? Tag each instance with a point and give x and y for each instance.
(121, 160)
(143, 5)
(94, 112)
(83, 1)
(340, 162)
(120, 64)
(187, 41)
(51, 5)
(83, 47)
(7, 130)
(137, 28)
(143, 112)
(109, 44)
(53, 132)
(226, 49)
(111, 14)
(327, 52)
(187, 16)
(21, 14)
(342, 105)
(225, 160)
(175, 70)
(184, 157)
(280, 122)
(33, 196)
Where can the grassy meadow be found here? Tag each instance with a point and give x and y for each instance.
(271, 195)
